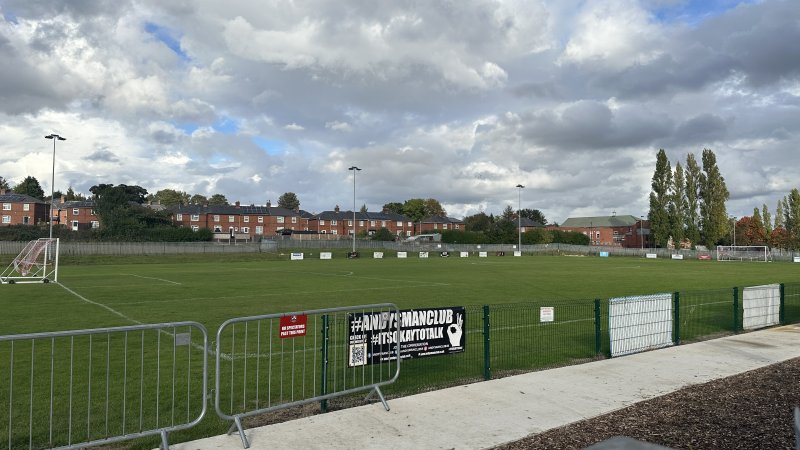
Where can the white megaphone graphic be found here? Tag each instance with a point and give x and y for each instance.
(454, 332)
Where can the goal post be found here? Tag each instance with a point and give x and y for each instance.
(743, 253)
(36, 263)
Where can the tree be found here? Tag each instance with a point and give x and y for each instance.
(533, 214)
(659, 200)
(434, 208)
(118, 217)
(71, 195)
(363, 208)
(383, 234)
(793, 218)
(713, 195)
(677, 206)
(289, 201)
(393, 207)
(508, 213)
(198, 199)
(218, 199)
(4, 183)
(779, 215)
(30, 186)
(756, 232)
(691, 214)
(477, 222)
(171, 197)
(418, 209)
(767, 219)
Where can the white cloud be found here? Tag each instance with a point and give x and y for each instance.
(293, 127)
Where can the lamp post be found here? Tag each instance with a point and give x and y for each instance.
(55, 138)
(519, 217)
(354, 169)
(734, 230)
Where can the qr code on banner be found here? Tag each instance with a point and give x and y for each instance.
(358, 354)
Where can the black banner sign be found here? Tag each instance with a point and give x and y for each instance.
(373, 337)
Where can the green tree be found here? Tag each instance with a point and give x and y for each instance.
(477, 222)
(218, 200)
(71, 195)
(171, 197)
(793, 218)
(4, 183)
(289, 201)
(659, 200)
(363, 208)
(779, 215)
(383, 234)
(678, 206)
(198, 199)
(713, 195)
(537, 236)
(434, 208)
(508, 213)
(767, 219)
(534, 214)
(692, 213)
(118, 217)
(30, 186)
(393, 207)
(754, 230)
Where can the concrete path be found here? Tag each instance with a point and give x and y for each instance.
(487, 414)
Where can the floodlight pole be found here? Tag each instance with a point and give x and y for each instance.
(519, 217)
(641, 231)
(354, 169)
(55, 138)
(734, 230)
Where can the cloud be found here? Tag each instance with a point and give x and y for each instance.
(102, 156)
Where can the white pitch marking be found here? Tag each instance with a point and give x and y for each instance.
(151, 278)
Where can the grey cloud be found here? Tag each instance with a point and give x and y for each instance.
(703, 128)
(102, 155)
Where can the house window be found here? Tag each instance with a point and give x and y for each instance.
(259, 229)
(95, 224)
(195, 228)
(195, 218)
(231, 219)
(246, 230)
(349, 223)
(279, 219)
(217, 229)
(436, 226)
(6, 219)
(26, 220)
(361, 223)
(334, 222)
(261, 219)
(178, 217)
(399, 223)
(76, 211)
(246, 219)
(294, 219)
(216, 218)
(321, 222)
(372, 223)
(408, 233)
(383, 223)
(26, 207)
(333, 232)
(410, 224)
(92, 213)
(74, 225)
(323, 232)
(6, 206)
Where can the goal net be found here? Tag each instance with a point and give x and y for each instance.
(743, 253)
(36, 263)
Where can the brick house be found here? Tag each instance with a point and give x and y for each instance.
(340, 223)
(435, 224)
(76, 215)
(21, 209)
(526, 224)
(617, 231)
(243, 221)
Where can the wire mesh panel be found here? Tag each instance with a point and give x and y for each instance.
(761, 306)
(89, 387)
(791, 302)
(704, 314)
(538, 335)
(639, 323)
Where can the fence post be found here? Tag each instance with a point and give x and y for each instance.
(597, 343)
(323, 405)
(782, 308)
(487, 354)
(676, 337)
(735, 309)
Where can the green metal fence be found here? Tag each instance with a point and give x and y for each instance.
(791, 308)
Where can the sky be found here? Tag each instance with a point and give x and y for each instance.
(457, 101)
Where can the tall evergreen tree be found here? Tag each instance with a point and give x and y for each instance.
(659, 200)
(289, 201)
(793, 217)
(767, 219)
(678, 206)
(779, 215)
(713, 195)
(4, 183)
(692, 214)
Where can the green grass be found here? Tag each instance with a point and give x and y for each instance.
(210, 289)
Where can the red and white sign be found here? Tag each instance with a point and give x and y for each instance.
(293, 326)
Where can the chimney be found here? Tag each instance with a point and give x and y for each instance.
(237, 204)
(269, 203)
(336, 209)
(63, 199)
(2, 192)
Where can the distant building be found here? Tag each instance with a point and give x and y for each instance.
(620, 231)
(21, 209)
(435, 224)
(341, 223)
(526, 224)
(241, 222)
(76, 214)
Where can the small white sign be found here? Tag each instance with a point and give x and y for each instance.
(604, 254)
(547, 314)
(796, 259)
(326, 255)
(517, 253)
(651, 256)
(423, 254)
(464, 254)
(377, 255)
(402, 254)
(483, 254)
(297, 256)
(677, 256)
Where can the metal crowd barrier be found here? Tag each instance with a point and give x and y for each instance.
(276, 361)
(72, 389)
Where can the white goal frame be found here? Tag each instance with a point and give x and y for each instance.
(758, 253)
(36, 263)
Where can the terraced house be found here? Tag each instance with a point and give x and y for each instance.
(76, 214)
(21, 209)
(240, 221)
(338, 222)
